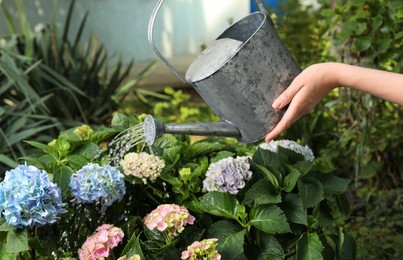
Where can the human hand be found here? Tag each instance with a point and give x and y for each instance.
(303, 94)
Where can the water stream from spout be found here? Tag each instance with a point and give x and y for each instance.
(123, 142)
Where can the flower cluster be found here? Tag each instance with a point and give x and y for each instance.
(205, 249)
(142, 165)
(291, 145)
(29, 198)
(170, 218)
(84, 132)
(98, 184)
(97, 246)
(227, 175)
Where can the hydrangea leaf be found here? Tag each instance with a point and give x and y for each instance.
(309, 247)
(310, 191)
(61, 176)
(4, 226)
(77, 161)
(271, 249)
(88, 150)
(331, 184)
(17, 241)
(133, 247)
(270, 219)
(266, 172)
(262, 192)
(290, 180)
(294, 209)
(220, 204)
(230, 238)
(201, 148)
(45, 148)
(269, 159)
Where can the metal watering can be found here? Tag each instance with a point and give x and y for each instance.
(238, 75)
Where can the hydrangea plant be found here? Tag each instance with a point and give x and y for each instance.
(29, 198)
(216, 196)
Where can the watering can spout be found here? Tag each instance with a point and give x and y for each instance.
(154, 129)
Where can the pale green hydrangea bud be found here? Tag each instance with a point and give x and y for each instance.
(84, 132)
(200, 250)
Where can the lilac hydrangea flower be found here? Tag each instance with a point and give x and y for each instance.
(98, 184)
(29, 198)
(227, 175)
(291, 145)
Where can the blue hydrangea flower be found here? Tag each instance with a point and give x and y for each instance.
(227, 175)
(29, 198)
(291, 145)
(98, 184)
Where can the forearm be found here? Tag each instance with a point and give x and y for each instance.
(383, 84)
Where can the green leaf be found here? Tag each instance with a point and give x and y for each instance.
(8, 161)
(230, 238)
(309, 247)
(362, 43)
(270, 248)
(88, 150)
(262, 192)
(5, 226)
(270, 219)
(323, 213)
(269, 159)
(17, 241)
(331, 184)
(377, 22)
(61, 176)
(290, 180)
(342, 203)
(399, 13)
(265, 172)
(45, 148)
(348, 246)
(202, 148)
(77, 161)
(294, 209)
(133, 247)
(220, 204)
(221, 155)
(310, 191)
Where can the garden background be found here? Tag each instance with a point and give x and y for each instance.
(50, 84)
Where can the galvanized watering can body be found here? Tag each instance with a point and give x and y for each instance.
(241, 89)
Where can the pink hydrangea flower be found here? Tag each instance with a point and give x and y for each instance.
(205, 249)
(96, 246)
(169, 218)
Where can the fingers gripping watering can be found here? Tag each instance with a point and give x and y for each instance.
(238, 75)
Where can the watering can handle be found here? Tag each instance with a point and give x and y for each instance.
(263, 9)
(151, 41)
(158, 53)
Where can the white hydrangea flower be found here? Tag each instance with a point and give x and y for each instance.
(291, 145)
(142, 165)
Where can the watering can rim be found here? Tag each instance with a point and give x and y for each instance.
(264, 20)
(171, 67)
